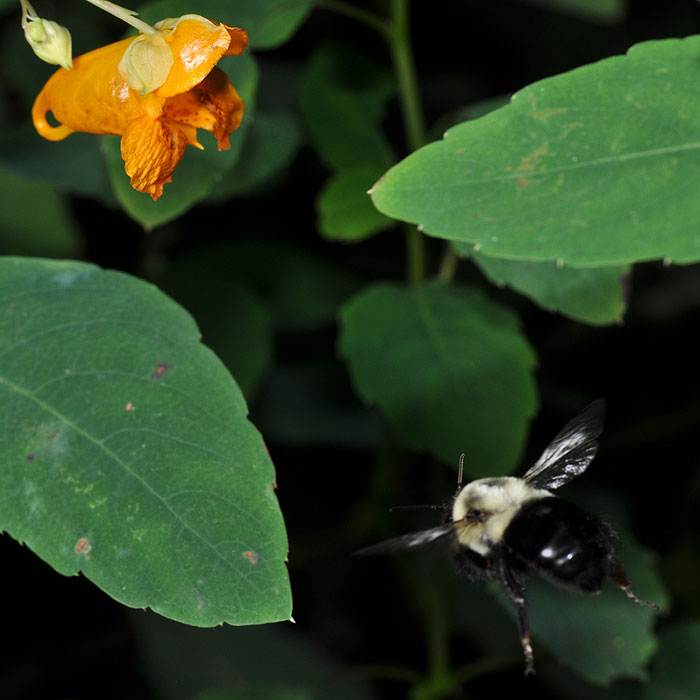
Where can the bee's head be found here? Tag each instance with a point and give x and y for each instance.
(484, 508)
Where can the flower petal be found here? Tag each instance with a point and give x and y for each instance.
(151, 151)
(197, 46)
(214, 105)
(239, 40)
(92, 97)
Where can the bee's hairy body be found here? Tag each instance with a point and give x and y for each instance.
(492, 504)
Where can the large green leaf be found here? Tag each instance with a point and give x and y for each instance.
(448, 367)
(591, 294)
(269, 23)
(198, 171)
(593, 167)
(126, 452)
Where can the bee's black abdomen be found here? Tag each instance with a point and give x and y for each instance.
(564, 543)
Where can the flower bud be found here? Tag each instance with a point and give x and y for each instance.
(146, 63)
(50, 42)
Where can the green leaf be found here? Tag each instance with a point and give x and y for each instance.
(198, 171)
(447, 366)
(272, 141)
(676, 670)
(126, 452)
(269, 23)
(593, 167)
(345, 211)
(591, 294)
(343, 95)
(34, 219)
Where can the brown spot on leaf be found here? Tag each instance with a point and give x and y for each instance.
(83, 546)
(30, 457)
(161, 369)
(129, 407)
(252, 557)
(53, 435)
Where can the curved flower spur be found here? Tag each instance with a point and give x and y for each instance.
(154, 90)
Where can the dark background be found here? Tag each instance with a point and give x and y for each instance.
(66, 639)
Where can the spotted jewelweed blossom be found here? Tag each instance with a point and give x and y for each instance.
(154, 91)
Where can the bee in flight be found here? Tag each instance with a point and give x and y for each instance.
(498, 528)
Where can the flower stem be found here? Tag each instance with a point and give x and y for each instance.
(404, 65)
(125, 15)
(399, 38)
(28, 12)
(449, 263)
(396, 32)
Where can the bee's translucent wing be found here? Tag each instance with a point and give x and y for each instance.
(413, 540)
(571, 451)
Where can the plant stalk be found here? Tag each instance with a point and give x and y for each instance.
(125, 15)
(399, 39)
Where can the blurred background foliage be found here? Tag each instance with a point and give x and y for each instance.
(266, 245)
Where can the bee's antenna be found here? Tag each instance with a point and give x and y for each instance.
(394, 509)
(460, 472)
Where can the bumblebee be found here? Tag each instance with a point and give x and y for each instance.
(499, 528)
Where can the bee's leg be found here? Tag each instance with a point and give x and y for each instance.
(621, 579)
(515, 591)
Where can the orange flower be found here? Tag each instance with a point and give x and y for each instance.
(155, 127)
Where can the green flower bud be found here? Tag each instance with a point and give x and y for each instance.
(146, 64)
(50, 42)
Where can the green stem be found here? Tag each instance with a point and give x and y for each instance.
(448, 266)
(415, 255)
(404, 65)
(125, 15)
(397, 34)
(414, 124)
(439, 673)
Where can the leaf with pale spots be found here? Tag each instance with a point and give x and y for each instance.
(594, 167)
(126, 452)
